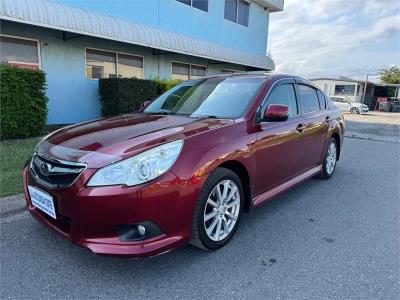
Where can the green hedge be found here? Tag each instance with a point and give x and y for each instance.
(165, 85)
(124, 95)
(23, 102)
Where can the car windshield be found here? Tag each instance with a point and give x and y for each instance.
(213, 97)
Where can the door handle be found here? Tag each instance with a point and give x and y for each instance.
(300, 128)
(328, 119)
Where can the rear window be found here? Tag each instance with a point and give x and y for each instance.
(322, 100)
(308, 98)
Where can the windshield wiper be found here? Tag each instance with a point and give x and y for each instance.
(205, 116)
(164, 113)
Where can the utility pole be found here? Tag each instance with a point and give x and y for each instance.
(365, 91)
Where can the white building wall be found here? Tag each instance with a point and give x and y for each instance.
(328, 86)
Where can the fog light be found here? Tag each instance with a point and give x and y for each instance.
(141, 230)
(138, 232)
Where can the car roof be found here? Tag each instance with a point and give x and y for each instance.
(258, 74)
(267, 75)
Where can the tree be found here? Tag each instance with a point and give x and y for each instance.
(390, 75)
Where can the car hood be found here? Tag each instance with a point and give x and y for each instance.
(101, 142)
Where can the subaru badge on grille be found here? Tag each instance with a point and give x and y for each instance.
(46, 168)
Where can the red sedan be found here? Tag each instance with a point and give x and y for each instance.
(186, 167)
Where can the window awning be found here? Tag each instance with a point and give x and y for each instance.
(52, 15)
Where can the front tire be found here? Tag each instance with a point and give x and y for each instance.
(218, 210)
(354, 110)
(330, 159)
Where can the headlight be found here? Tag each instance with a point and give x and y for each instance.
(139, 169)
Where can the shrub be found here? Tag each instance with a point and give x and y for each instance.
(23, 102)
(165, 85)
(124, 95)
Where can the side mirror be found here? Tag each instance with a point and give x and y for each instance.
(276, 113)
(144, 105)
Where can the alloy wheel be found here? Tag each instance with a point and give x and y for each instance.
(222, 210)
(354, 110)
(331, 158)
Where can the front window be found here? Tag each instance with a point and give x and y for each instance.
(213, 97)
(19, 52)
(237, 11)
(345, 90)
(181, 71)
(199, 4)
(283, 94)
(105, 64)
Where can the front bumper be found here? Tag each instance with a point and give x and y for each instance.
(89, 217)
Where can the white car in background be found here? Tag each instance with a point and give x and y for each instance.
(346, 105)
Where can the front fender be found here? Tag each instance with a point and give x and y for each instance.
(203, 153)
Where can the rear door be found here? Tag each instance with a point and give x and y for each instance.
(279, 148)
(317, 120)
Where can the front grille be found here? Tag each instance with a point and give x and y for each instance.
(55, 173)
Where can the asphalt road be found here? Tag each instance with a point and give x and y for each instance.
(325, 239)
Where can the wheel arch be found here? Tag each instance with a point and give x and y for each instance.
(240, 170)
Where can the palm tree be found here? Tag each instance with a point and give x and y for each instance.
(390, 75)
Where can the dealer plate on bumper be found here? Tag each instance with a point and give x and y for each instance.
(42, 201)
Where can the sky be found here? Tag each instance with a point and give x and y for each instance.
(314, 38)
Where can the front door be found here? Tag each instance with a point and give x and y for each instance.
(279, 147)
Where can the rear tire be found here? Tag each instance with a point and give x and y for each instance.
(218, 210)
(330, 159)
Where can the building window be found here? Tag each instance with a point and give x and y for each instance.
(182, 71)
(19, 52)
(197, 71)
(228, 71)
(104, 64)
(199, 4)
(358, 89)
(237, 11)
(345, 90)
(130, 66)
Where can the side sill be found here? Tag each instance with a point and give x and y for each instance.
(268, 195)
